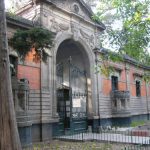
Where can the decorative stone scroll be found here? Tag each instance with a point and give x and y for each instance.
(57, 27)
(63, 26)
(89, 38)
(75, 31)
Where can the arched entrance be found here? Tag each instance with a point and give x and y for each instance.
(72, 71)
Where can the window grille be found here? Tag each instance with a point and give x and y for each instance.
(114, 81)
(138, 88)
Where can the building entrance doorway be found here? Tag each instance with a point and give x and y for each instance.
(72, 93)
(71, 102)
(63, 108)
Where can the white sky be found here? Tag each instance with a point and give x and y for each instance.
(7, 4)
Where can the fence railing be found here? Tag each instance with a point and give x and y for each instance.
(136, 139)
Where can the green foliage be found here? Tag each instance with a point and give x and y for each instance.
(146, 77)
(105, 67)
(24, 40)
(137, 123)
(128, 28)
(134, 36)
(73, 145)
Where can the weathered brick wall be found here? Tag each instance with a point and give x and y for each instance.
(126, 81)
(133, 70)
(30, 70)
(107, 87)
(32, 74)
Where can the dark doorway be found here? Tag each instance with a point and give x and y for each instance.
(72, 71)
(63, 108)
(71, 102)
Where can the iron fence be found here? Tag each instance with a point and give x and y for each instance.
(131, 139)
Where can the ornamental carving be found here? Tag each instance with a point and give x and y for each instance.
(75, 31)
(88, 38)
(63, 26)
(57, 27)
(76, 8)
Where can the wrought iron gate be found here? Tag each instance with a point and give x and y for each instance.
(71, 98)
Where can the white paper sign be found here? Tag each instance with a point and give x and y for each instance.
(77, 102)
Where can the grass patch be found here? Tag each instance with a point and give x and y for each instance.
(63, 145)
(137, 123)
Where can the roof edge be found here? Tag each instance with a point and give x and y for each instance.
(126, 58)
(18, 21)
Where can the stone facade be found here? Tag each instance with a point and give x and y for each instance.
(76, 36)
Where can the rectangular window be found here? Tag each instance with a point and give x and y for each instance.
(114, 83)
(138, 88)
(13, 65)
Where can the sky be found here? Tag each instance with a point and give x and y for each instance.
(7, 4)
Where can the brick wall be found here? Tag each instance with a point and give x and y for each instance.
(30, 70)
(122, 85)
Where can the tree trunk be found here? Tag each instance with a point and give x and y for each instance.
(9, 138)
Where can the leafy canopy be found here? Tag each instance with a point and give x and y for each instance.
(24, 40)
(127, 29)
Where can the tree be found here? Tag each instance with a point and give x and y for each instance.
(127, 30)
(23, 41)
(133, 37)
(9, 138)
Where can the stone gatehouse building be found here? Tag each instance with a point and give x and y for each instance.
(65, 94)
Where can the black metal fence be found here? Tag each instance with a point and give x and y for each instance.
(131, 139)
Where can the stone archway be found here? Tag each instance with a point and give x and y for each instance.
(72, 72)
(87, 63)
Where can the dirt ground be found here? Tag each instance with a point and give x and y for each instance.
(62, 145)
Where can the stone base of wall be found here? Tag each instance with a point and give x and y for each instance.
(94, 123)
(123, 121)
(25, 136)
(143, 117)
(35, 133)
(45, 131)
(41, 132)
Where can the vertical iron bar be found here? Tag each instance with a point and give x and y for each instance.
(70, 93)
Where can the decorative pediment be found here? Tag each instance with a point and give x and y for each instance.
(78, 8)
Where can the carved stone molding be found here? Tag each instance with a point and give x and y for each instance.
(75, 8)
(78, 32)
(75, 30)
(64, 27)
(54, 25)
(88, 37)
(57, 27)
